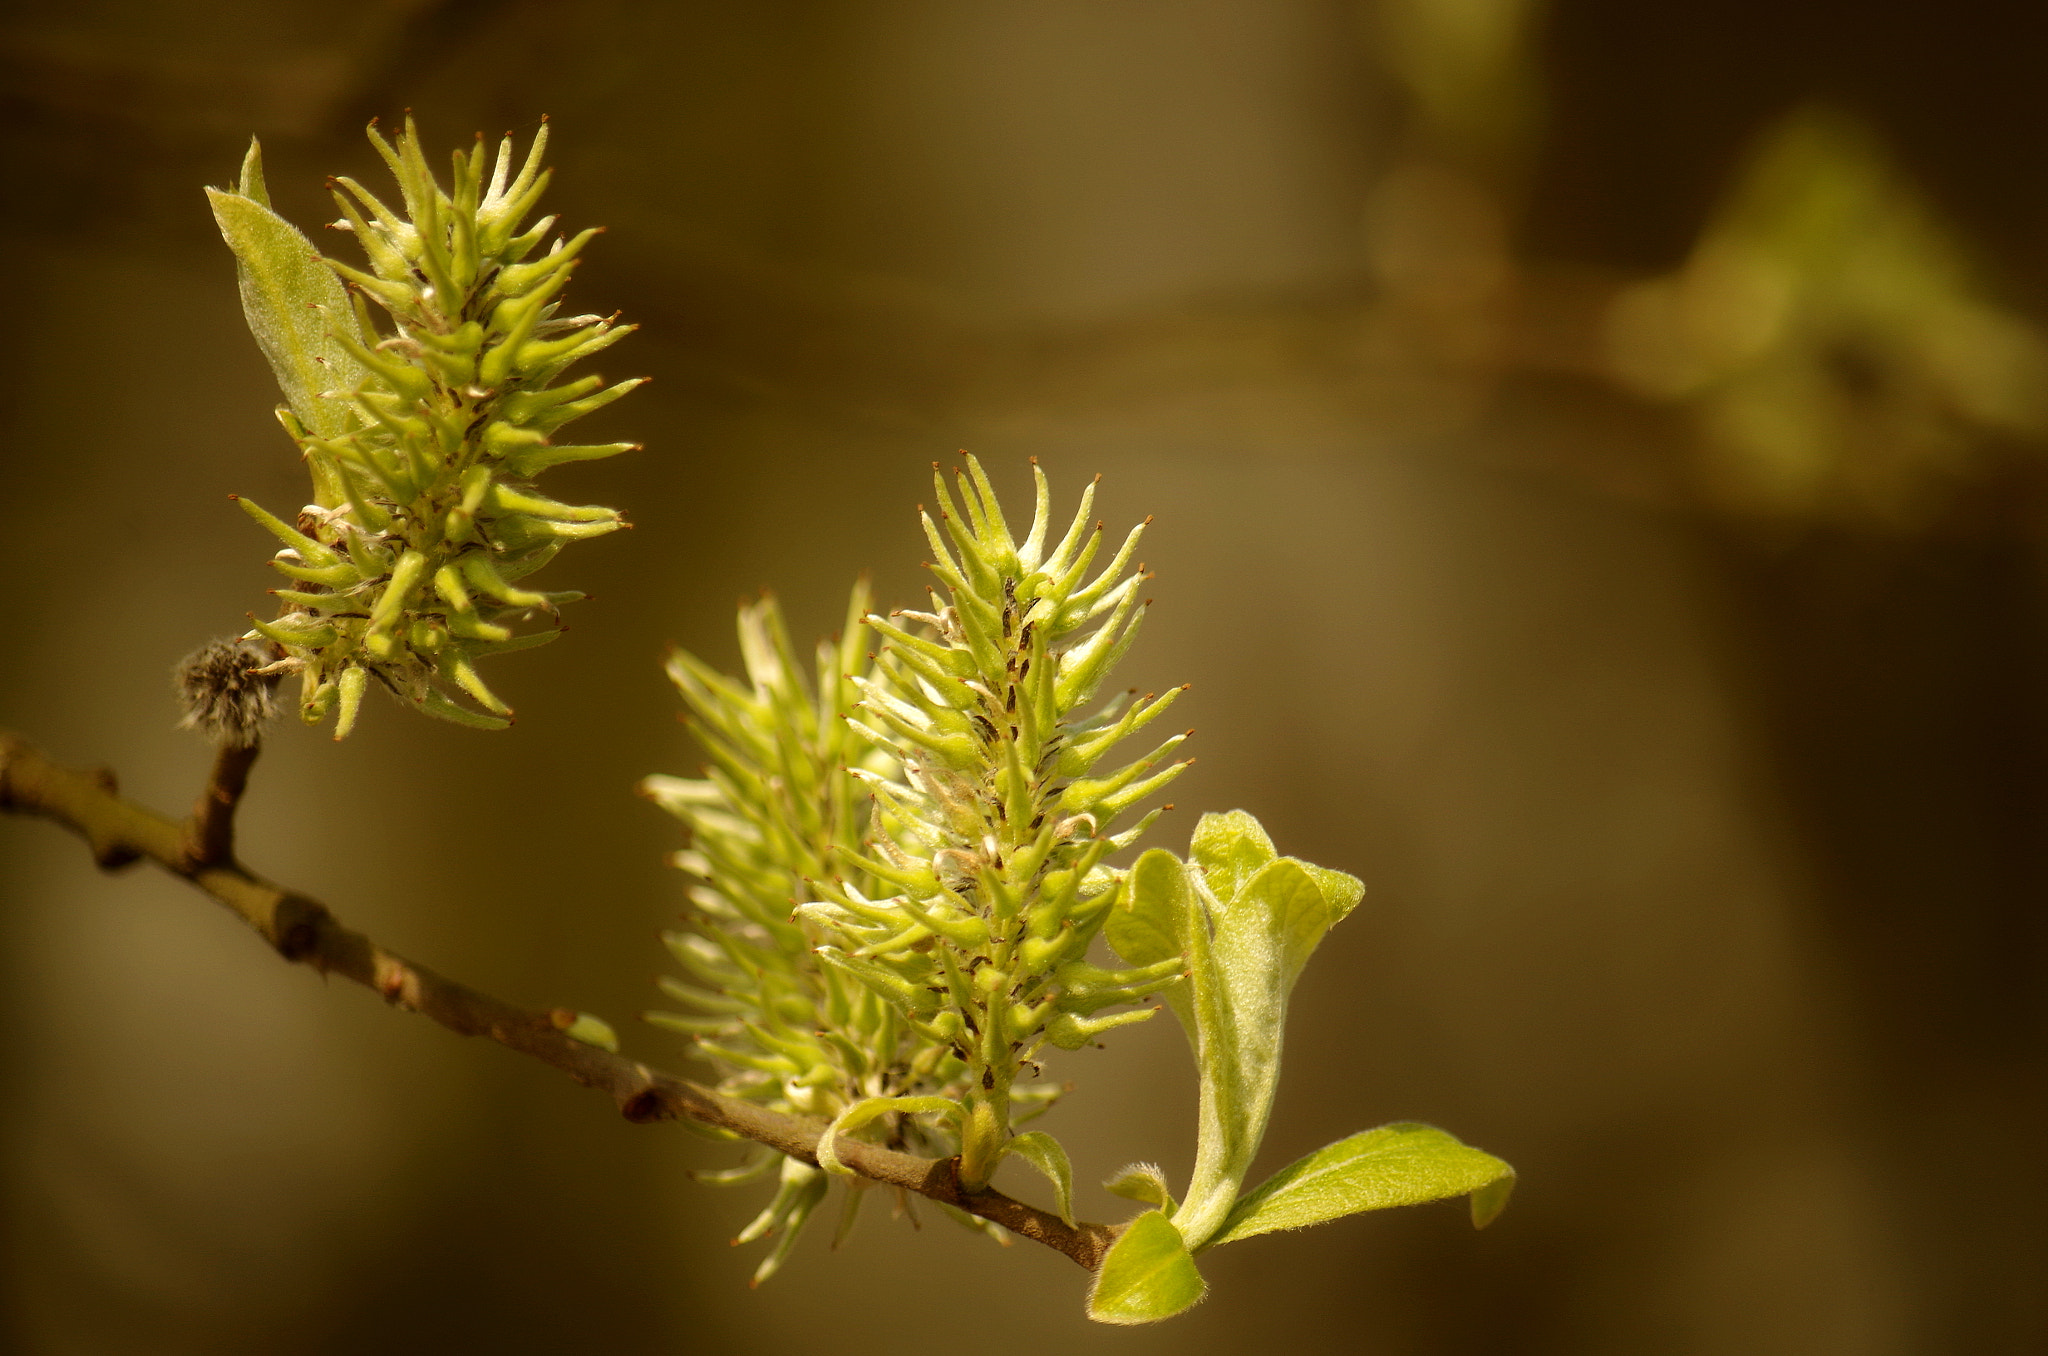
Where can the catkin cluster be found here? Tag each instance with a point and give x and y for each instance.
(903, 867)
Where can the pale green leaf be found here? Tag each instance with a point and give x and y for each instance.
(252, 185)
(1341, 891)
(1401, 1164)
(1230, 848)
(1268, 914)
(1285, 903)
(1043, 1152)
(1142, 1182)
(1148, 921)
(1147, 1275)
(1238, 1006)
(291, 299)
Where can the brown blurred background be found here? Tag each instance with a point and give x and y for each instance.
(1597, 454)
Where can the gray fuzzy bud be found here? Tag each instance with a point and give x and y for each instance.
(224, 695)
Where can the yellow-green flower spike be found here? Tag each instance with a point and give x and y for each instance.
(987, 844)
(424, 393)
(774, 813)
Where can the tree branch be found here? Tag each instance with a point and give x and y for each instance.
(302, 930)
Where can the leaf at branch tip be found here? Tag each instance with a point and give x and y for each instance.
(1284, 904)
(1043, 1152)
(251, 185)
(1342, 891)
(1146, 1276)
(1400, 1164)
(291, 299)
(1247, 921)
(1230, 849)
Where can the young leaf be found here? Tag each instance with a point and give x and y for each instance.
(1147, 1275)
(1246, 920)
(1287, 913)
(1156, 919)
(1043, 1152)
(1401, 1164)
(1230, 848)
(292, 300)
(1342, 891)
(1144, 1183)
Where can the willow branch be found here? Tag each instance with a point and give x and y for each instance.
(304, 931)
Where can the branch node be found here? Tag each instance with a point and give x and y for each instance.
(646, 1106)
(111, 857)
(297, 925)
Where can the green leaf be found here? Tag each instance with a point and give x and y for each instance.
(292, 300)
(1282, 908)
(1147, 1275)
(1246, 921)
(252, 185)
(1155, 920)
(1230, 848)
(1043, 1152)
(1401, 1164)
(1142, 1182)
(1341, 891)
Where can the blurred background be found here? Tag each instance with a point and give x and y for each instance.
(1597, 454)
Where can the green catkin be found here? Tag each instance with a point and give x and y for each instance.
(773, 812)
(990, 835)
(423, 512)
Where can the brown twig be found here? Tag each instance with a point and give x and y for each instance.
(210, 832)
(302, 930)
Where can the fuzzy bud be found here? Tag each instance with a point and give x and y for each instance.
(226, 694)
